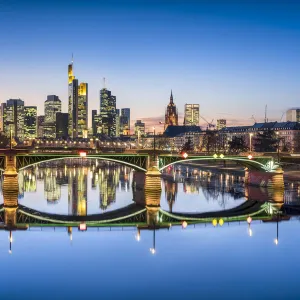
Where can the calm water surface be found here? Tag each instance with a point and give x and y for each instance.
(199, 262)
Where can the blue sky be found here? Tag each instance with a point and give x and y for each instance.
(231, 57)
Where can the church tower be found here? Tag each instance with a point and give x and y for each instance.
(171, 116)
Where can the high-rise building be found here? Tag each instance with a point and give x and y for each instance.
(117, 122)
(52, 107)
(139, 128)
(94, 125)
(77, 106)
(107, 113)
(14, 118)
(82, 110)
(125, 121)
(171, 115)
(2, 116)
(191, 115)
(62, 125)
(293, 115)
(221, 123)
(40, 126)
(30, 122)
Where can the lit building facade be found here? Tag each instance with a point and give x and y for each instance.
(139, 128)
(293, 115)
(107, 113)
(191, 114)
(52, 107)
(94, 125)
(171, 115)
(14, 118)
(40, 126)
(82, 110)
(62, 125)
(221, 123)
(72, 103)
(125, 121)
(117, 122)
(30, 122)
(2, 115)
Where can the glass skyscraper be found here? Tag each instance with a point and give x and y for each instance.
(82, 110)
(30, 122)
(191, 114)
(52, 106)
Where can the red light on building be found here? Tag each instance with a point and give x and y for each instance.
(184, 155)
(82, 153)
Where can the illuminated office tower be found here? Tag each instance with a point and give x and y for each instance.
(61, 125)
(117, 122)
(221, 123)
(2, 116)
(94, 124)
(171, 115)
(30, 122)
(52, 106)
(107, 113)
(40, 126)
(14, 120)
(125, 121)
(139, 128)
(82, 110)
(72, 103)
(191, 114)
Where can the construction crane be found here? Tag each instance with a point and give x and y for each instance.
(209, 124)
(282, 116)
(252, 117)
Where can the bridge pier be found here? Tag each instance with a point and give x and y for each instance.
(273, 180)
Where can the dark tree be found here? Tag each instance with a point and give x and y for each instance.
(266, 141)
(237, 145)
(4, 141)
(211, 141)
(187, 146)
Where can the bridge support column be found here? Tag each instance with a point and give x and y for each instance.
(273, 180)
(10, 165)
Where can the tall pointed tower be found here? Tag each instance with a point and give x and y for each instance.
(171, 116)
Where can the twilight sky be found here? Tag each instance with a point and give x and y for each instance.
(231, 57)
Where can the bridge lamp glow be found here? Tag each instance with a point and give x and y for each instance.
(214, 222)
(82, 154)
(250, 231)
(215, 155)
(184, 224)
(249, 220)
(221, 222)
(82, 227)
(152, 250)
(250, 156)
(221, 155)
(276, 241)
(185, 155)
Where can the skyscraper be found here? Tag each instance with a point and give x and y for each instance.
(117, 122)
(191, 114)
(94, 125)
(107, 113)
(2, 116)
(62, 125)
(52, 107)
(77, 106)
(30, 122)
(82, 110)
(293, 115)
(14, 119)
(40, 126)
(125, 121)
(171, 115)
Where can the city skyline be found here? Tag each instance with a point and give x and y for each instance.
(216, 56)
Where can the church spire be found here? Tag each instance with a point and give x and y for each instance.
(171, 98)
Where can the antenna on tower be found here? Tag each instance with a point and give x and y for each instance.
(72, 58)
(104, 85)
(266, 107)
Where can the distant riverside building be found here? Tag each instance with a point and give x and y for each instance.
(107, 113)
(94, 125)
(191, 114)
(30, 122)
(221, 123)
(171, 115)
(139, 128)
(77, 106)
(52, 107)
(14, 118)
(293, 115)
(2, 115)
(117, 122)
(40, 126)
(125, 121)
(62, 125)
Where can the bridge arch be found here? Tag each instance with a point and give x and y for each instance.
(23, 163)
(246, 162)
